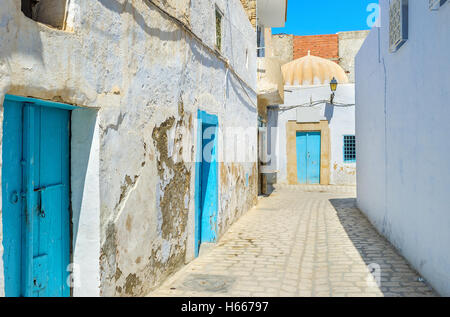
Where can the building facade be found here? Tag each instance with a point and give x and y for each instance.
(340, 48)
(312, 140)
(270, 13)
(402, 93)
(310, 63)
(109, 109)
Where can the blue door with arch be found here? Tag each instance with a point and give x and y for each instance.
(206, 182)
(35, 195)
(308, 157)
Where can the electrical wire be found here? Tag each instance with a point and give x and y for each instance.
(312, 104)
(185, 27)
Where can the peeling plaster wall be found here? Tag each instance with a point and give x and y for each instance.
(147, 77)
(341, 122)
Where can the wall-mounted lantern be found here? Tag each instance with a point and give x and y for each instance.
(333, 87)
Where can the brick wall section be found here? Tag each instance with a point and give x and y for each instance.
(325, 46)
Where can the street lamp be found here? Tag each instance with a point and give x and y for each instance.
(333, 86)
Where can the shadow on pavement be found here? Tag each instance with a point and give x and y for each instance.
(395, 276)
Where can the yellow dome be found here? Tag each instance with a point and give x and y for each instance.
(312, 70)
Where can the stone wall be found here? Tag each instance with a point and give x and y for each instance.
(349, 45)
(146, 75)
(250, 9)
(283, 47)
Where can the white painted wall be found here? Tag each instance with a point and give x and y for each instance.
(85, 188)
(139, 69)
(403, 134)
(342, 123)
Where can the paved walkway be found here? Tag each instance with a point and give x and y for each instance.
(300, 241)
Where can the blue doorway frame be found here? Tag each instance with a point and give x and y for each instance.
(35, 194)
(206, 180)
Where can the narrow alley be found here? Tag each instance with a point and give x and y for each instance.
(224, 148)
(304, 240)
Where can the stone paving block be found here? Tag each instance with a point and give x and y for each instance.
(302, 241)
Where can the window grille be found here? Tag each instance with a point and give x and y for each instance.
(398, 24)
(349, 149)
(436, 4)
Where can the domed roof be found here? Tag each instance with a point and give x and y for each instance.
(312, 70)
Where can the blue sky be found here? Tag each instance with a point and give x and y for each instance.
(311, 17)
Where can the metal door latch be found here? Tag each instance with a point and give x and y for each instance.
(41, 191)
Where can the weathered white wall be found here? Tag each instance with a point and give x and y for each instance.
(341, 122)
(402, 139)
(85, 188)
(147, 77)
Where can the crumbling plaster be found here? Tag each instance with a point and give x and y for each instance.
(147, 76)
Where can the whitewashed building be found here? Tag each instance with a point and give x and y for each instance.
(106, 108)
(402, 129)
(311, 140)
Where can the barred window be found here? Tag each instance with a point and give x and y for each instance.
(349, 149)
(436, 4)
(218, 29)
(398, 24)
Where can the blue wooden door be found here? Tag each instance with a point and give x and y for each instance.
(206, 181)
(209, 185)
(35, 178)
(308, 157)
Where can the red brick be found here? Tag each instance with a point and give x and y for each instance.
(325, 46)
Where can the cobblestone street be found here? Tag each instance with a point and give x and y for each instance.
(300, 241)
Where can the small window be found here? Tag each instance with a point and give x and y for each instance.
(436, 4)
(218, 29)
(50, 12)
(260, 42)
(349, 149)
(398, 24)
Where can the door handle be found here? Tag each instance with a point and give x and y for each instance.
(44, 188)
(41, 212)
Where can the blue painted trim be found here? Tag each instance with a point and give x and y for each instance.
(203, 118)
(198, 177)
(39, 102)
(208, 118)
(27, 234)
